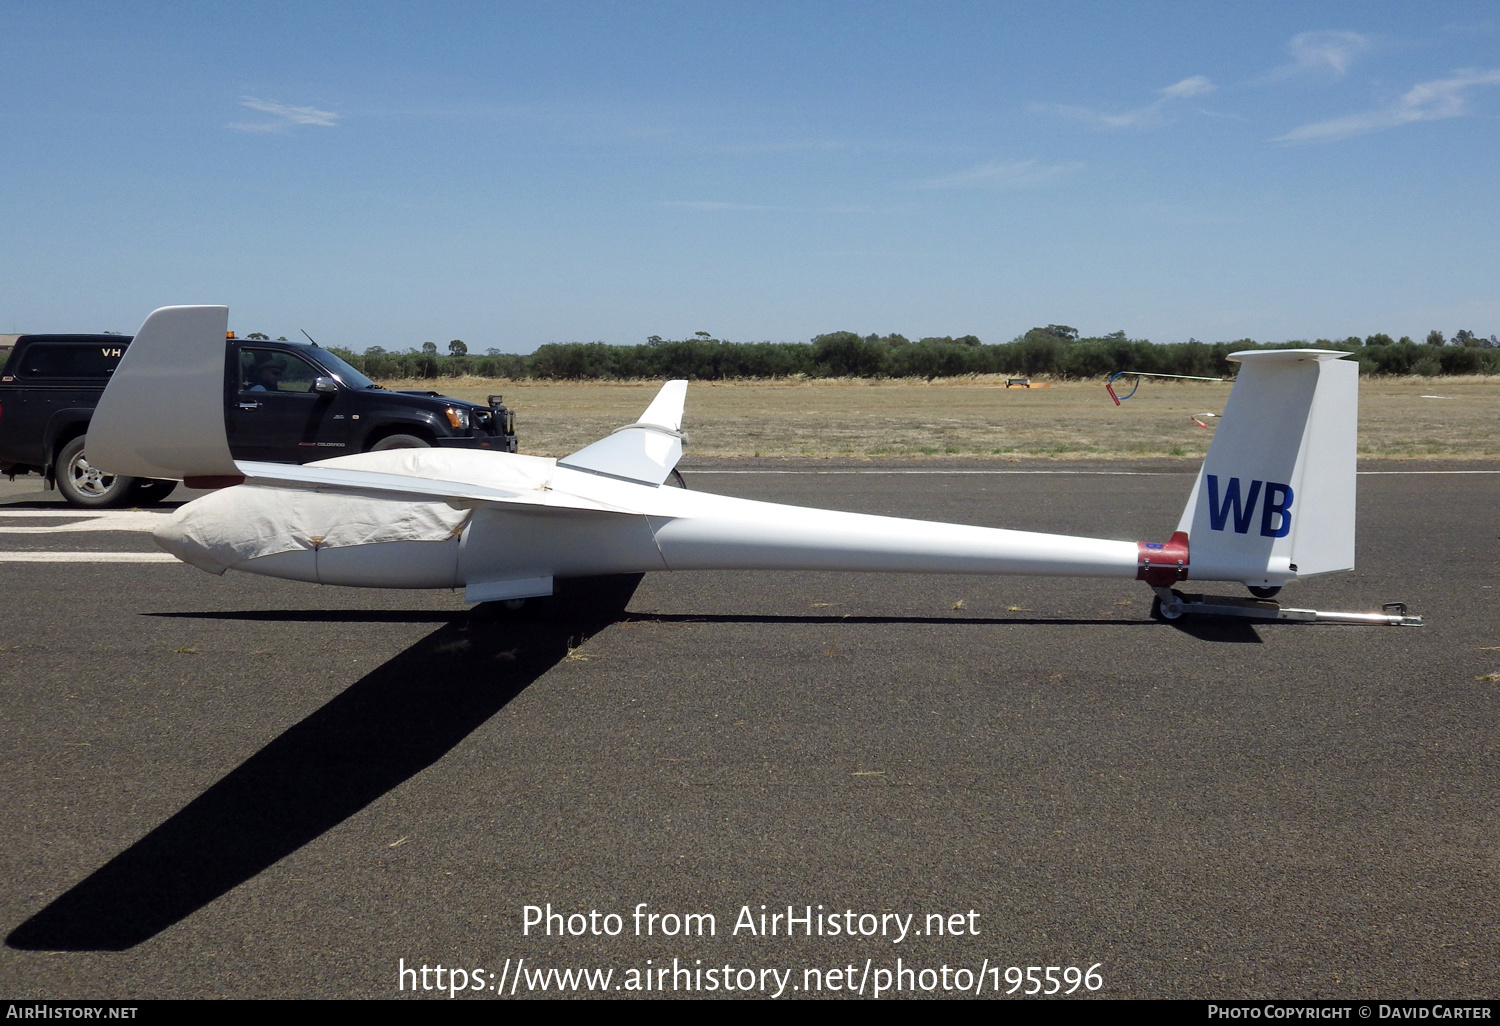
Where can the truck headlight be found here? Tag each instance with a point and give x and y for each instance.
(458, 418)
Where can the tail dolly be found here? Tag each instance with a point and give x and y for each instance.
(1162, 565)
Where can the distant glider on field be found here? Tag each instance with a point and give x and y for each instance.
(1274, 501)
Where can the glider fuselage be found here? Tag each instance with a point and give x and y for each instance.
(558, 522)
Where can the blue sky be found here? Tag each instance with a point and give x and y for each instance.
(515, 174)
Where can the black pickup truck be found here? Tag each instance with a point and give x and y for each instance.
(284, 402)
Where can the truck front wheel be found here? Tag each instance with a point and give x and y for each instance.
(85, 485)
(400, 442)
(147, 492)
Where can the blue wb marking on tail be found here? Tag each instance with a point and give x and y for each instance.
(1277, 506)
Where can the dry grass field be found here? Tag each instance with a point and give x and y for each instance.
(1399, 417)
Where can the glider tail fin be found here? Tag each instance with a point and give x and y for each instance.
(644, 452)
(1274, 500)
(162, 413)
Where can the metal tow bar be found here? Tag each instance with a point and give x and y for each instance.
(1173, 605)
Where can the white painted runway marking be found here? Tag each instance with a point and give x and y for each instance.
(114, 520)
(35, 556)
(71, 513)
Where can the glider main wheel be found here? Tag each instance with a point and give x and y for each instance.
(83, 484)
(675, 479)
(1265, 592)
(506, 610)
(400, 442)
(1159, 612)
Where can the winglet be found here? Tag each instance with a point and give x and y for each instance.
(666, 409)
(645, 451)
(162, 413)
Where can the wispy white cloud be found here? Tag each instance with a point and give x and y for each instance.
(1332, 50)
(1197, 85)
(1150, 114)
(287, 115)
(1003, 174)
(1319, 54)
(1426, 101)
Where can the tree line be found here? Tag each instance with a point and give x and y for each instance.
(1055, 350)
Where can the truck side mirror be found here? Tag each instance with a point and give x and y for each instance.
(326, 385)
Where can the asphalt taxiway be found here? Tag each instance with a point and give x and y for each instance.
(245, 787)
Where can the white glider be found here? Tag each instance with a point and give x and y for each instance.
(1274, 501)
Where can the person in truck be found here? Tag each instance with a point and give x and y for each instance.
(266, 375)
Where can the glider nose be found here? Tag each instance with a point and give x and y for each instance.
(177, 537)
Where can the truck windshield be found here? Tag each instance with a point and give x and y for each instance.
(341, 370)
